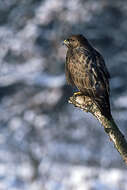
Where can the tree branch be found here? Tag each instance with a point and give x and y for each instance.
(87, 105)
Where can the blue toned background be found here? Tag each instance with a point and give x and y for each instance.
(45, 143)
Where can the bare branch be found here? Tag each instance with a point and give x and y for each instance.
(87, 105)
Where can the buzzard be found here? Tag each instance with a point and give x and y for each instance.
(85, 68)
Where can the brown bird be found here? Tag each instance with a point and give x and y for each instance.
(85, 68)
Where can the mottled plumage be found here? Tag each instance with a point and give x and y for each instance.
(85, 68)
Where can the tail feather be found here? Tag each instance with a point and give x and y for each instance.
(104, 105)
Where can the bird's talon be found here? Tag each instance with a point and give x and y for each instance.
(77, 94)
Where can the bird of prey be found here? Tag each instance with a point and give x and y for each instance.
(85, 68)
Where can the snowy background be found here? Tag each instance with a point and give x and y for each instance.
(45, 143)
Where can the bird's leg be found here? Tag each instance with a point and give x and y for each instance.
(78, 93)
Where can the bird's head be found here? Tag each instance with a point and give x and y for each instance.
(75, 41)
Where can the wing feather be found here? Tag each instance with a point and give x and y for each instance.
(88, 72)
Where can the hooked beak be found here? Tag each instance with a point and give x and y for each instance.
(66, 42)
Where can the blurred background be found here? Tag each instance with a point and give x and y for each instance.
(45, 143)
